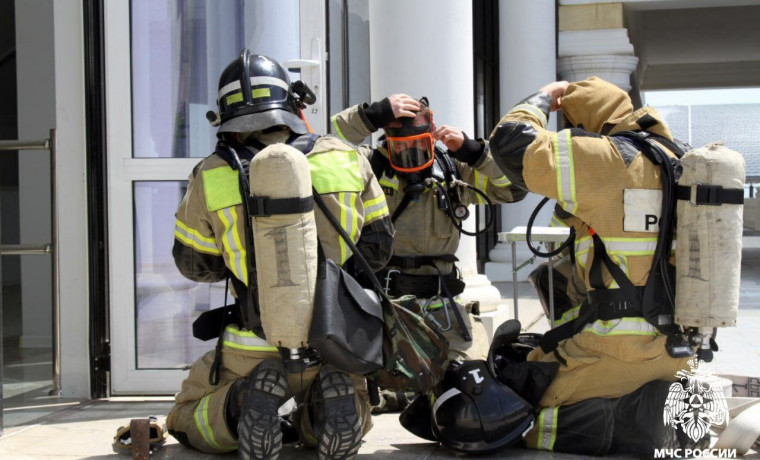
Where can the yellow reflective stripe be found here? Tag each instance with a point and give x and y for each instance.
(618, 248)
(191, 237)
(375, 209)
(481, 182)
(547, 428)
(391, 182)
(501, 182)
(565, 164)
(334, 120)
(336, 171)
(244, 340)
(204, 427)
(256, 93)
(621, 326)
(349, 222)
(569, 315)
(233, 247)
(556, 222)
(533, 110)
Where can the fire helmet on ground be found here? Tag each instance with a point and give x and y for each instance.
(476, 414)
(255, 94)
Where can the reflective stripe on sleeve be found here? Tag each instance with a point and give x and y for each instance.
(390, 182)
(501, 182)
(375, 209)
(532, 109)
(547, 428)
(481, 183)
(192, 238)
(337, 128)
(234, 246)
(565, 164)
(244, 340)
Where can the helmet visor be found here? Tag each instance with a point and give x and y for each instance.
(411, 153)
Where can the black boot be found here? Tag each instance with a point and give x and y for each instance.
(258, 427)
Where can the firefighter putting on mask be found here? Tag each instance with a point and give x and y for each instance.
(428, 189)
(259, 230)
(600, 379)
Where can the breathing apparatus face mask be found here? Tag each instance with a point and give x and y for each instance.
(410, 141)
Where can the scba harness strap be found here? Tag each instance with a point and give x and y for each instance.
(655, 300)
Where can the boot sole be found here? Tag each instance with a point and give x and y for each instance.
(340, 433)
(260, 437)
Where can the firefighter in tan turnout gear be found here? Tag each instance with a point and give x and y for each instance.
(613, 362)
(428, 190)
(231, 397)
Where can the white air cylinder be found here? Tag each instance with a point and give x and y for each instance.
(709, 241)
(286, 247)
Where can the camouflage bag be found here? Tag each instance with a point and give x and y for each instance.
(415, 352)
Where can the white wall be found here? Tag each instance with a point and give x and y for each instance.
(36, 115)
(423, 49)
(50, 60)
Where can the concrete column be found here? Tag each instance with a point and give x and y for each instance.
(35, 45)
(593, 41)
(527, 62)
(425, 49)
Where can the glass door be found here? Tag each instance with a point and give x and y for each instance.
(163, 60)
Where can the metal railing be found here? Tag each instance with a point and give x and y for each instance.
(47, 248)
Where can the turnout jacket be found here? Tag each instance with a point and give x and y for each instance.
(423, 229)
(209, 234)
(587, 173)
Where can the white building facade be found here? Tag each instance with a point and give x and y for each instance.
(126, 85)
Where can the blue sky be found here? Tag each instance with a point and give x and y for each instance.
(702, 97)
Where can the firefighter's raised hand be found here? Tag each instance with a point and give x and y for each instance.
(555, 90)
(452, 137)
(404, 105)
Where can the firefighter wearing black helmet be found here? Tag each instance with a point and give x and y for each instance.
(231, 397)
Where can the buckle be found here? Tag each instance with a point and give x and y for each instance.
(257, 206)
(705, 195)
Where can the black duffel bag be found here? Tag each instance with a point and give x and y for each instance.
(347, 324)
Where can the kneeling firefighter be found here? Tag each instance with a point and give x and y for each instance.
(260, 231)
(613, 170)
(428, 189)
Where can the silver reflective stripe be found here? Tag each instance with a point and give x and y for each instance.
(445, 397)
(622, 326)
(202, 424)
(547, 429)
(391, 182)
(235, 248)
(532, 109)
(563, 152)
(235, 85)
(624, 246)
(194, 239)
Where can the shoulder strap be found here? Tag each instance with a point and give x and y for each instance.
(305, 142)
